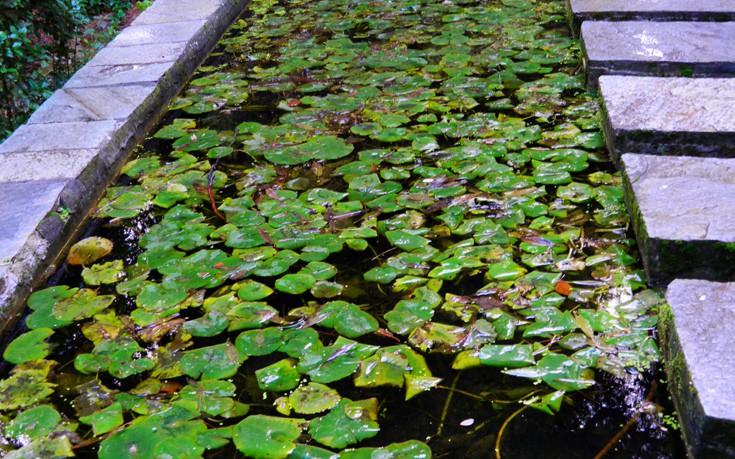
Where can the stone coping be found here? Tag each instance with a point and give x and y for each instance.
(668, 116)
(55, 167)
(701, 365)
(683, 214)
(691, 49)
(649, 10)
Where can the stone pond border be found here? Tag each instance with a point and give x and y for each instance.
(667, 83)
(54, 168)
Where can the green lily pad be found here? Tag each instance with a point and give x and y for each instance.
(42, 303)
(44, 447)
(122, 357)
(105, 420)
(507, 356)
(259, 342)
(212, 396)
(25, 387)
(105, 273)
(29, 346)
(313, 398)
(35, 423)
(267, 437)
(295, 284)
(219, 361)
(346, 424)
(81, 305)
(278, 377)
(89, 250)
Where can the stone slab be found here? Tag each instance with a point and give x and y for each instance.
(112, 75)
(700, 362)
(683, 212)
(56, 165)
(692, 49)
(61, 136)
(652, 10)
(156, 53)
(668, 116)
(168, 32)
(163, 11)
(93, 104)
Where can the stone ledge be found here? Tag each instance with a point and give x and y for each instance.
(683, 213)
(668, 116)
(660, 10)
(692, 49)
(698, 343)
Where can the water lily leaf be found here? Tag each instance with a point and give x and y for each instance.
(316, 148)
(122, 357)
(259, 342)
(325, 289)
(335, 362)
(410, 449)
(381, 274)
(89, 250)
(29, 346)
(105, 273)
(346, 424)
(267, 437)
(250, 314)
(25, 387)
(42, 303)
(406, 240)
(158, 297)
(392, 366)
(82, 304)
(215, 438)
(278, 377)
(35, 423)
(297, 341)
(44, 447)
(106, 420)
(549, 403)
(576, 192)
(505, 270)
(558, 371)
(312, 452)
(506, 356)
(219, 361)
(416, 385)
(212, 396)
(167, 433)
(313, 398)
(295, 284)
(251, 290)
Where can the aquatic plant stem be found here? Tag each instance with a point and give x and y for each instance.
(210, 181)
(502, 429)
(626, 427)
(445, 410)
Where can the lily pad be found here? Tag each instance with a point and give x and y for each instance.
(89, 250)
(29, 346)
(346, 424)
(105, 273)
(267, 437)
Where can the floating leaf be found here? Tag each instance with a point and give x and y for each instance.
(29, 346)
(34, 423)
(82, 304)
(105, 273)
(267, 437)
(313, 398)
(346, 424)
(212, 362)
(89, 250)
(105, 420)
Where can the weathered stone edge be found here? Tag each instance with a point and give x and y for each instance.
(34, 262)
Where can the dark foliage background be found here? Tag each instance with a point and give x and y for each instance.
(42, 42)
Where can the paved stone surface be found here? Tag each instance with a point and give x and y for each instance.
(93, 104)
(155, 53)
(659, 10)
(61, 136)
(683, 212)
(35, 166)
(169, 32)
(701, 364)
(120, 74)
(669, 116)
(163, 11)
(699, 49)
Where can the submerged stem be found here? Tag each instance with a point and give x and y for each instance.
(502, 429)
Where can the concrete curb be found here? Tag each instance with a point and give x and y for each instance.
(56, 166)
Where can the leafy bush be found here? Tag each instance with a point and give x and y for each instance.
(38, 41)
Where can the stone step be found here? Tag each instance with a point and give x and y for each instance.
(670, 116)
(683, 214)
(699, 49)
(698, 342)
(658, 10)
